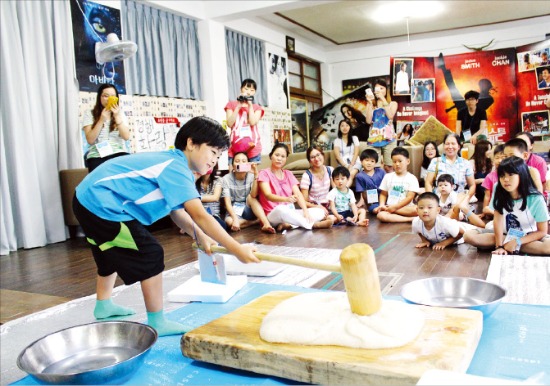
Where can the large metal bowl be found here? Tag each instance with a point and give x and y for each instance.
(455, 292)
(95, 353)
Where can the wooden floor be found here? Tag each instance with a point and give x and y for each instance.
(35, 279)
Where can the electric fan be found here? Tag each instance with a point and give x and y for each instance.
(114, 49)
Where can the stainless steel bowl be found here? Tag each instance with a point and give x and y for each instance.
(95, 353)
(455, 292)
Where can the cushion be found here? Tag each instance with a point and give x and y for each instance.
(431, 130)
(301, 164)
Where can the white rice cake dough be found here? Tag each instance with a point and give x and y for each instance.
(325, 318)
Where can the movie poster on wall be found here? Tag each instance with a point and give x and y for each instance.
(277, 82)
(493, 75)
(300, 140)
(532, 95)
(349, 85)
(323, 127)
(415, 106)
(92, 23)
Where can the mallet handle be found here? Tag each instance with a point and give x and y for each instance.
(283, 260)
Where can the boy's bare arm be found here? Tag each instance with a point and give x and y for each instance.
(451, 240)
(210, 226)
(333, 210)
(424, 242)
(408, 199)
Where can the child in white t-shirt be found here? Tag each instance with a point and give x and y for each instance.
(341, 199)
(446, 193)
(397, 190)
(450, 204)
(435, 231)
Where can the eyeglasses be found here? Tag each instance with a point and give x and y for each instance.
(316, 156)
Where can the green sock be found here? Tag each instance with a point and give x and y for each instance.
(106, 308)
(165, 327)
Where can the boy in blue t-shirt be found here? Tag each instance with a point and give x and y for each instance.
(368, 181)
(116, 200)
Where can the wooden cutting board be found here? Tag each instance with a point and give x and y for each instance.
(447, 342)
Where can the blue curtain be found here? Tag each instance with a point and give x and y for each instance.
(167, 62)
(245, 59)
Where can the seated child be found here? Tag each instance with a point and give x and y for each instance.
(534, 160)
(518, 147)
(239, 192)
(398, 190)
(435, 231)
(342, 201)
(452, 205)
(209, 187)
(446, 194)
(369, 179)
(490, 180)
(520, 214)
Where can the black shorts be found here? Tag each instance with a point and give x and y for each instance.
(126, 248)
(346, 213)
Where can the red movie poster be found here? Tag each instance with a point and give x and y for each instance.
(493, 75)
(419, 103)
(532, 92)
(413, 86)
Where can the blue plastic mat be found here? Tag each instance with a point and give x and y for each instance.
(514, 345)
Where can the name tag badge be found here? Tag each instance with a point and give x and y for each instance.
(514, 234)
(245, 132)
(467, 135)
(104, 149)
(372, 196)
(238, 207)
(393, 197)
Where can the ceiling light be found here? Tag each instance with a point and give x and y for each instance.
(395, 11)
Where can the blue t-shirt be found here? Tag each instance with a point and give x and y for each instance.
(144, 187)
(365, 182)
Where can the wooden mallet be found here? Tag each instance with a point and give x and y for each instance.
(358, 269)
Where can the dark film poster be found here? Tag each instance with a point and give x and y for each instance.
(324, 121)
(92, 23)
(493, 75)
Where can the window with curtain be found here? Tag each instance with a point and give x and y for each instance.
(245, 60)
(167, 62)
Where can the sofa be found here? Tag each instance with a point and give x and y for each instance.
(69, 180)
(297, 163)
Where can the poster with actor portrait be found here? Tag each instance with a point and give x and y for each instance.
(92, 23)
(535, 122)
(531, 98)
(277, 82)
(543, 77)
(418, 105)
(490, 73)
(323, 128)
(403, 69)
(348, 85)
